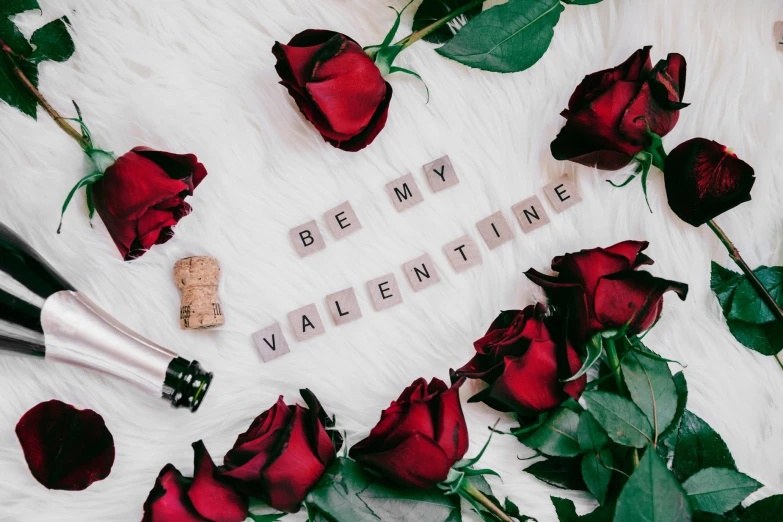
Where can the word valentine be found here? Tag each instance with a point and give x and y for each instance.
(421, 272)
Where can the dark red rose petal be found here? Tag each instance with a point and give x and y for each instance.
(633, 298)
(451, 431)
(212, 499)
(65, 448)
(294, 61)
(704, 179)
(185, 167)
(591, 151)
(595, 84)
(168, 500)
(418, 461)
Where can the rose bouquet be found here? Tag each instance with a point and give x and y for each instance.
(340, 88)
(141, 195)
(629, 440)
(618, 116)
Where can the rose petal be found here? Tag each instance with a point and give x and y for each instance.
(704, 179)
(633, 298)
(185, 167)
(451, 431)
(417, 461)
(168, 500)
(65, 448)
(294, 61)
(595, 84)
(212, 499)
(591, 151)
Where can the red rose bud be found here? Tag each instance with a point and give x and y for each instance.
(524, 367)
(200, 499)
(65, 448)
(609, 112)
(603, 291)
(338, 88)
(142, 196)
(282, 455)
(704, 179)
(420, 436)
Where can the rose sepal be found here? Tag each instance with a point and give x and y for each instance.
(652, 154)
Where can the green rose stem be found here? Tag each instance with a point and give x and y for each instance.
(481, 498)
(434, 26)
(59, 120)
(659, 160)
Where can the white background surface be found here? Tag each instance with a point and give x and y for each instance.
(198, 76)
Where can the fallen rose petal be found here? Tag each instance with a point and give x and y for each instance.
(65, 448)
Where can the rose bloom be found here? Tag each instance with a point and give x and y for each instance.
(604, 291)
(608, 113)
(284, 452)
(420, 436)
(704, 179)
(204, 498)
(524, 367)
(338, 88)
(142, 196)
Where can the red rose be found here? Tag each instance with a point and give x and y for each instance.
(420, 436)
(283, 454)
(704, 179)
(608, 113)
(523, 365)
(200, 499)
(65, 448)
(142, 195)
(603, 290)
(338, 88)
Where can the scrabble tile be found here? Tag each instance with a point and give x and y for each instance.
(440, 174)
(495, 230)
(271, 342)
(404, 193)
(385, 292)
(342, 220)
(307, 239)
(306, 322)
(779, 36)
(562, 193)
(343, 306)
(463, 253)
(421, 272)
(531, 214)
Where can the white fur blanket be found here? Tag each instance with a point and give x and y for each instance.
(197, 76)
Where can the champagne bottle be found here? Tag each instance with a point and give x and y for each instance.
(42, 315)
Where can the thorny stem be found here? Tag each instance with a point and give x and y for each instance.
(434, 26)
(761, 290)
(481, 498)
(59, 120)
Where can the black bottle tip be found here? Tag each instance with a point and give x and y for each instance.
(186, 384)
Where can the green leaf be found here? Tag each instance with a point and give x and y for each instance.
(652, 494)
(749, 319)
(557, 436)
(565, 509)
(52, 42)
(509, 37)
(12, 7)
(668, 439)
(595, 347)
(747, 306)
(409, 505)
(12, 90)
(591, 436)
(651, 387)
(560, 472)
(431, 11)
(336, 495)
(765, 510)
(623, 421)
(596, 473)
(699, 447)
(717, 490)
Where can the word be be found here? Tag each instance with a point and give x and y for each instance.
(421, 272)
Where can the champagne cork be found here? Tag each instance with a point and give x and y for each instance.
(198, 279)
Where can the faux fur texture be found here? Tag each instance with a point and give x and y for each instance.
(197, 76)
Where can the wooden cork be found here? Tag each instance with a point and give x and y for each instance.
(198, 279)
